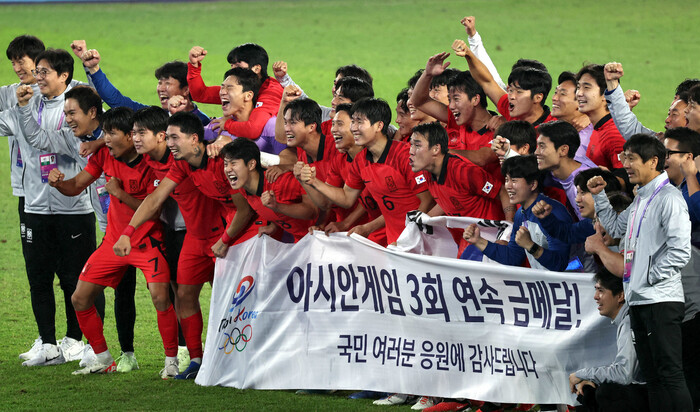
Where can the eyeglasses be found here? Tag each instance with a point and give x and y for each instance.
(672, 152)
(622, 157)
(40, 73)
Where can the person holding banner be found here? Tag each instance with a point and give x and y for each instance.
(382, 167)
(616, 387)
(529, 240)
(656, 247)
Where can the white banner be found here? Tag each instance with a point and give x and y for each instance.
(341, 313)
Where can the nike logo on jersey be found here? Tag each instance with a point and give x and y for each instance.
(76, 236)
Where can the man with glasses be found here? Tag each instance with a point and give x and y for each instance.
(656, 247)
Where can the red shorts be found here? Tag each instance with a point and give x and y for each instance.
(196, 263)
(107, 269)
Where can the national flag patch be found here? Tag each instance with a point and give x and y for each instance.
(258, 104)
(487, 187)
(420, 179)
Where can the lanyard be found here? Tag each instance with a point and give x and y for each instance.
(41, 109)
(656, 192)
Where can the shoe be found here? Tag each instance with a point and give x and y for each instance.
(183, 357)
(191, 371)
(126, 362)
(424, 402)
(72, 349)
(367, 395)
(448, 406)
(88, 356)
(170, 370)
(34, 349)
(47, 355)
(96, 366)
(393, 399)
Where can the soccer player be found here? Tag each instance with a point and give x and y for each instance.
(557, 144)
(60, 231)
(403, 117)
(459, 187)
(248, 56)
(238, 94)
(619, 385)
(656, 247)
(382, 166)
(171, 76)
(120, 162)
(282, 203)
(528, 87)
(565, 107)
(207, 239)
(606, 141)
(529, 240)
(692, 112)
(514, 138)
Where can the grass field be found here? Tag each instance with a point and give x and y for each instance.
(392, 39)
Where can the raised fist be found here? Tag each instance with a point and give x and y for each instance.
(197, 54)
(24, 93)
(279, 69)
(469, 24)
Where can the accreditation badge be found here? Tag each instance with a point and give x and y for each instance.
(629, 256)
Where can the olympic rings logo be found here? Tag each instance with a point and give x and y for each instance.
(238, 339)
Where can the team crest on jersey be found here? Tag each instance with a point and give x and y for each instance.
(420, 179)
(487, 187)
(390, 183)
(156, 183)
(134, 185)
(455, 202)
(223, 188)
(258, 104)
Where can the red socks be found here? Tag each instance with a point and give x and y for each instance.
(167, 326)
(91, 325)
(192, 327)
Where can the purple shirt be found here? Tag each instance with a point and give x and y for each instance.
(266, 142)
(568, 183)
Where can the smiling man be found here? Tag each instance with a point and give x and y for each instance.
(656, 230)
(565, 107)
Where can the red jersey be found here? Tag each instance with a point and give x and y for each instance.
(391, 182)
(267, 105)
(469, 139)
(208, 177)
(605, 144)
(137, 180)
(504, 109)
(336, 176)
(326, 127)
(288, 191)
(204, 217)
(326, 153)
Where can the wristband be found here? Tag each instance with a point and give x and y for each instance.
(226, 238)
(128, 231)
(535, 247)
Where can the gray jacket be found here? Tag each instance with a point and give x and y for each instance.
(40, 198)
(663, 246)
(625, 368)
(8, 100)
(622, 115)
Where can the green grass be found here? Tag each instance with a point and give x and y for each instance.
(392, 39)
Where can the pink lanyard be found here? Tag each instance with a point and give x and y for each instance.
(41, 109)
(656, 192)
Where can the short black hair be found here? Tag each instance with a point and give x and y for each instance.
(401, 99)
(647, 147)
(694, 94)
(535, 80)
(519, 133)
(465, 83)
(243, 149)
(354, 88)
(443, 78)
(376, 110)
(353, 70)
(59, 60)
(247, 79)
(686, 85)
(597, 72)
(435, 134)
(175, 69)
(561, 133)
(151, 118)
(188, 123)
(581, 179)
(608, 281)
(532, 63)
(118, 118)
(414, 79)
(252, 54)
(683, 96)
(87, 98)
(567, 76)
(523, 167)
(24, 45)
(305, 110)
(344, 107)
(688, 139)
